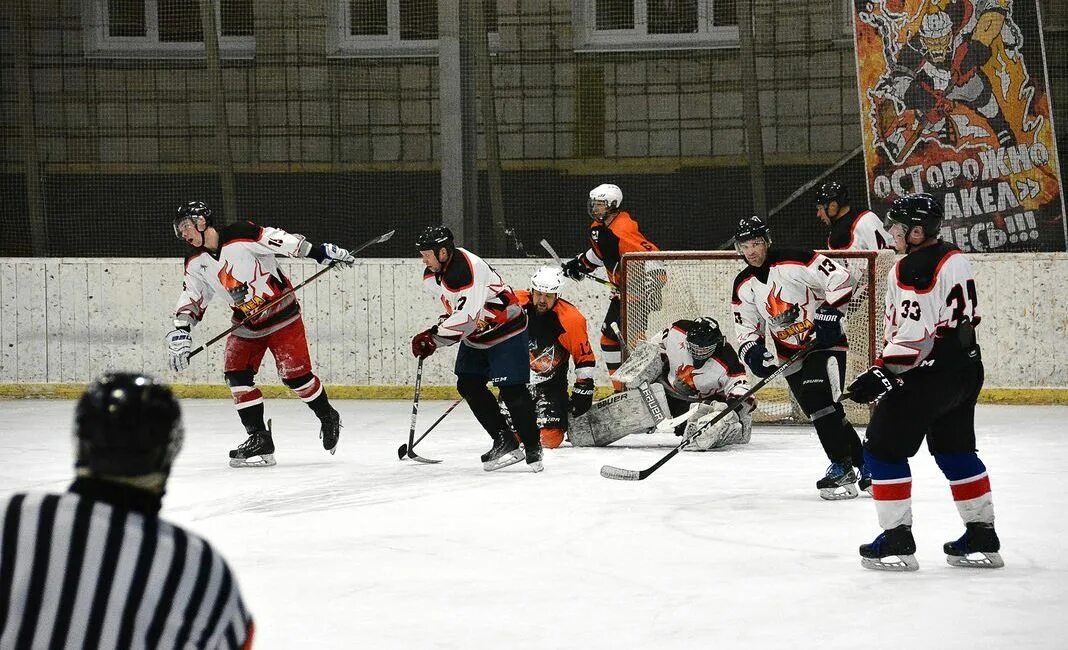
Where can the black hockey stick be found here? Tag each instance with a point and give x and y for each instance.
(620, 474)
(556, 258)
(415, 411)
(404, 449)
(370, 242)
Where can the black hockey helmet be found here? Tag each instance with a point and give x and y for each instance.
(916, 210)
(703, 338)
(832, 191)
(751, 228)
(192, 211)
(127, 424)
(433, 238)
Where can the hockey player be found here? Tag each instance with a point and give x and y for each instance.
(850, 230)
(482, 315)
(797, 294)
(557, 331)
(237, 264)
(612, 234)
(925, 384)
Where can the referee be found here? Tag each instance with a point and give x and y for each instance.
(96, 567)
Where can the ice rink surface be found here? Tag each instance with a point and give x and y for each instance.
(729, 549)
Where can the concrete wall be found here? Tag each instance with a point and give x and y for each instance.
(67, 320)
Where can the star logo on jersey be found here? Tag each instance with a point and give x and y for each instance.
(260, 282)
(780, 312)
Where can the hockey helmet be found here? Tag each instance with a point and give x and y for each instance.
(936, 33)
(751, 228)
(703, 338)
(433, 238)
(916, 210)
(192, 211)
(606, 193)
(832, 191)
(127, 424)
(547, 279)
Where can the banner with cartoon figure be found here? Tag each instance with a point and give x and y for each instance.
(954, 101)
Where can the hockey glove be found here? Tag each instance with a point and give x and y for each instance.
(581, 396)
(828, 321)
(423, 343)
(179, 342)
(331, 254)
(758, 359)
(873, 384)
(574, 268)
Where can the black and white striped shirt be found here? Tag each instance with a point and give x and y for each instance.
(96, 568)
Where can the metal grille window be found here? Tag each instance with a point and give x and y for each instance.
(654, 24)
(164, 28)
(395, 27)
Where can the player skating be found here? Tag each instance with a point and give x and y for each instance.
(612, 234)
(237, 264)
(484, 317)
(798, 294)
(557, 332)
(926, 382)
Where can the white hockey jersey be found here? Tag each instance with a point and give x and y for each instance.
(243, 272)
(784, 294)
(929, 293)
(720, 377)
(480, 308)
(862, 231)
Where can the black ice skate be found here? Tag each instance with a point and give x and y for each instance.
(534, 456)
(865, 479)
(257, 451)
(498, 441)
(503, 454)
(839, 483)
(894, 543)
(977, 548)
(330, 431)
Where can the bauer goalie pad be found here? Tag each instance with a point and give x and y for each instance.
(634, 411)
(735, 428)
(643, 365)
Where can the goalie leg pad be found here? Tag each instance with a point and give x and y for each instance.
(709, 434)
(610, 419)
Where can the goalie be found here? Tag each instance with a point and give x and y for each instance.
(687, 363)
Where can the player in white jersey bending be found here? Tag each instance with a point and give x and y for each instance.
(797, 294)
(237, 264)
(484, 316)
(925, 383)
(850, 230)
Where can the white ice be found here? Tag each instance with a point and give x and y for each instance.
(727, 549)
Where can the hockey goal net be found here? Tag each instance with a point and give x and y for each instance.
(699, 283)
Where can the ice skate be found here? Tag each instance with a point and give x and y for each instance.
(534, 456)
(839, 483)
(865, 479)
(257, 451)
(894, 543)
(504, 454)
(498, 441)
(330, 431)
(977, 548)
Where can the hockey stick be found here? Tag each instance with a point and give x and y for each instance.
(265, 307)
(556, 258)
(415, 411)
(404, 449)
(620, 474)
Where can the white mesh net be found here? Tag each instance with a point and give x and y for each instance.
(698, 283)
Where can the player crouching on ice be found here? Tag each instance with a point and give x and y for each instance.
(557, 331)
(687, 363)
(236, 262)
(484, 317)
(925, 384)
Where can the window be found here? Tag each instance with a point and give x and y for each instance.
(164, 28)
(395, 27)
(654, 24)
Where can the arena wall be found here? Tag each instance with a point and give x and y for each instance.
(65, 320)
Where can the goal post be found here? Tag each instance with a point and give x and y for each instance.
(659, 288)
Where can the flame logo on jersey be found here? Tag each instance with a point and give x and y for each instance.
(685, 375)
(780, 312)
(238, 290)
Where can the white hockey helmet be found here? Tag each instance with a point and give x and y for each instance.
(608, 194)
(547, 279)
(936, 32)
